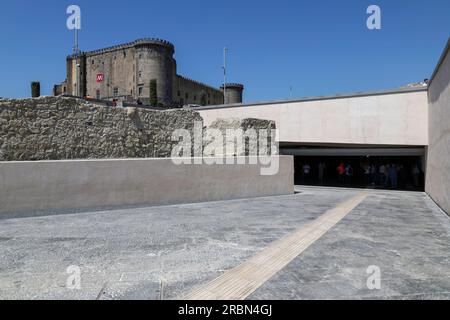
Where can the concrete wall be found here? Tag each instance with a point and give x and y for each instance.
(44, 185)
(395, 118)
(438, 159)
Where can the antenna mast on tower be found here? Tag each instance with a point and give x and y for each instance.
(225, 51)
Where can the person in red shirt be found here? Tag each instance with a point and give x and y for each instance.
(341, 173)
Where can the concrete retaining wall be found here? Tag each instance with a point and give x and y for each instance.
(438, 160)
(395, 118)
(72, 184)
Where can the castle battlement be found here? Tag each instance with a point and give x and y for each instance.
(128, 45)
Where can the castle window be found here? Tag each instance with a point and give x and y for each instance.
(187, 96)
(97, 94)
(140, 90)
(195, 98)
(140, 74)
(124, 54)
(179, 93)
(116, 92)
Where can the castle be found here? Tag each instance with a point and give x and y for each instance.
(125, 72)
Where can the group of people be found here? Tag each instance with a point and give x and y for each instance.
(390, 175)
(345, 173)
(385, 175)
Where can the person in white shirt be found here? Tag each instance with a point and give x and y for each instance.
(305, 172)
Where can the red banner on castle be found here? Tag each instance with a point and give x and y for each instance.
(100, 77)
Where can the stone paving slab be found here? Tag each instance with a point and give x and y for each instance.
(404, 234)
(128, 251)
(165, 252)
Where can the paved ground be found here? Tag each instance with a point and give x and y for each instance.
(166, 252)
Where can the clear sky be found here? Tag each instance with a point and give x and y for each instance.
(316, 47)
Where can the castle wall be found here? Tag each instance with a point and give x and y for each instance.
(117, 69)
(187, 91)
(128, 70)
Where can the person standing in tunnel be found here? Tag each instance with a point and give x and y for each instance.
(402, 176)
(386, 175)
(393, 176)
(381, 176)
(306, 171)
(322, 168)
(373, 175)
(416, 173)
(348, 174)
(341, 173)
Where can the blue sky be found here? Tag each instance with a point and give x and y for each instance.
(316, 47)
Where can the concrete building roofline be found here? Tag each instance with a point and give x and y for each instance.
(138, 42)
(318, 98)
(441, 60)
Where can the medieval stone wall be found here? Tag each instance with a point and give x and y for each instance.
(187, 91)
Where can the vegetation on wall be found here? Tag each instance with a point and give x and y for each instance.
(153, 93)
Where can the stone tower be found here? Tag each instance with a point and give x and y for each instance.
(234, 92)
(154, 60)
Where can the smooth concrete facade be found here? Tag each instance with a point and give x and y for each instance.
(73, 184)
(386, 118)
(438, 160)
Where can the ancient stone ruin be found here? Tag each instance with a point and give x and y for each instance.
(60, 128)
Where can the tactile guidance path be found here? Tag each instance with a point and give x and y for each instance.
(241, 281)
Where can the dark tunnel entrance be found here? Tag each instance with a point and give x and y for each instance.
(381, 172)
(359, 167)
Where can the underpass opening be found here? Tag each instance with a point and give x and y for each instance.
(394, 169)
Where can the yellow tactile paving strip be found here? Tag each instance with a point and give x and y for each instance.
(243, 280)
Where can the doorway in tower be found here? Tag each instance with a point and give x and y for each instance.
(380, 172)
